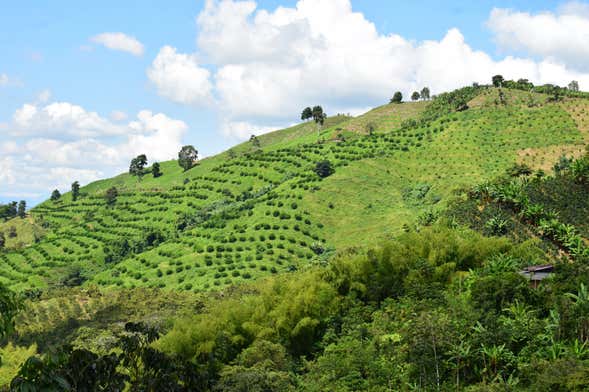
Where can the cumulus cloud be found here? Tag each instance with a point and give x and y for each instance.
(242, 129)
(270, 64)
(118, 115)
(62, 119)
(179, 77)
(157, 134)
(120, 42)
(62, 142)
(561, 36)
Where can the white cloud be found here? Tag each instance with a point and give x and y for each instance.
(157, 135)
(561, 36)
(4, 80)
(7, 172)
(271, 64)
(180, 78)
(118, 115)
(120, 42)
(61, 142)
(62, 119)
(9, 147)
(242, 130)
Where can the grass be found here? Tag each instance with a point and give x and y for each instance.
(385, 118)
(21, 232)
(254, 212)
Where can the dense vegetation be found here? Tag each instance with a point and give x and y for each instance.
(375, 253)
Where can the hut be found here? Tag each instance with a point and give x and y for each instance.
(537, 273)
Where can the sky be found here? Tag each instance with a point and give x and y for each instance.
(86, 86)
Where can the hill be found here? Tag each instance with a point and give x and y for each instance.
(255, 211)
(398, 270)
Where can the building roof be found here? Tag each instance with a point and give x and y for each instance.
(537, 272)
(539, 268)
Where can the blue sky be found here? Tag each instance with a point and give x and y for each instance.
(211, 73)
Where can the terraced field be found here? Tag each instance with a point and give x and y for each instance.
(262, 210)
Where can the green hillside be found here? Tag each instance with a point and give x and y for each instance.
(398, 271)
(257, 211)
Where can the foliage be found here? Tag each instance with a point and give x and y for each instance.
(111, 196)
(397, 97)
(187, 157)
(144, 369)
(370, 128)
(324, 169)
(75, 190)
(255, 141)
(307, 114)
(318, 115)
(8, 211)
(55, 195)
(156, 170)
(450, 102)
(9, 306)
(22, 209)
(498, 81)
(283, 293)
(138, 165)
(425, 94)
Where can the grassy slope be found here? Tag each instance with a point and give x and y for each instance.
(474, 146)
(374, 192)
(27, 231)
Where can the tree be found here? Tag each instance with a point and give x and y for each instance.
(415, 96)
(137, 165)
(498, 80)
(318, 115)
(8, 211)
(111, 196)
(9, 306)
(255, 141)
(155, 170)
(324, 169)
(502, 98)
(55, 195)
(2, 240)
(425, 93)
(22, 209)
(574, 86)
(75, 190)
(524, 84)
(397, 97)
(519, 170)
(306, 114)
(187, 157)
(370, 128)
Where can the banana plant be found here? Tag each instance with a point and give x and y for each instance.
(581, 301)
(579, 350)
